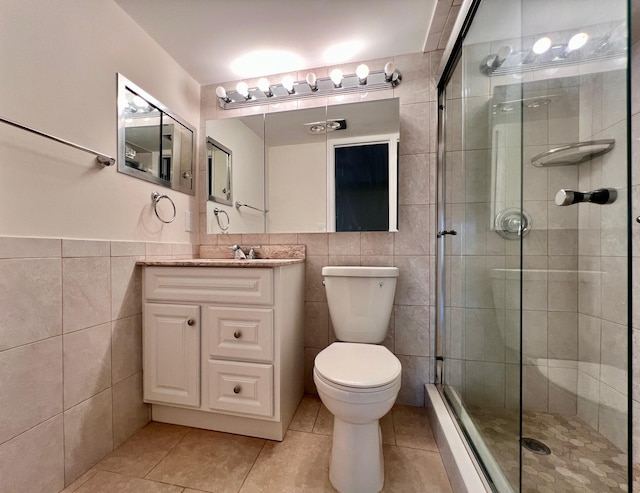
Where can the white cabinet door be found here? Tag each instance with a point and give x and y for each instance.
(172, 354)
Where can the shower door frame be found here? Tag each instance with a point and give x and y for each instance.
(454, 53)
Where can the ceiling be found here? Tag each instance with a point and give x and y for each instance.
(208, 38)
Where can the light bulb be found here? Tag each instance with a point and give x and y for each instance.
(389, 68)
(542, 45)
(362, 72)
(336, 77)
(287, 83)
(221, 92)
(243, 89)
(263, 85)
(312, 81)
(577, 41)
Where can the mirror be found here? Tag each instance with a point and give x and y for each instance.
(313, 170)
(153, 144)
(219, 172)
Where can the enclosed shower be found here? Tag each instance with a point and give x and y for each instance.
(533, 243)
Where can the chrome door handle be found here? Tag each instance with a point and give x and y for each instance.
(443, 232)
(602, 196)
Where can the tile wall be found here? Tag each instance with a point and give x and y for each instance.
(70, 355)
(412, 249)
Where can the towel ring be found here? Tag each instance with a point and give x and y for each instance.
(217, 213)
(156, 197)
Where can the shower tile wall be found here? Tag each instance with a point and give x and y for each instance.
(412, 249)
(70, 355)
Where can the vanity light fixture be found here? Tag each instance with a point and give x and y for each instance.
(337, 83)
(558, 49)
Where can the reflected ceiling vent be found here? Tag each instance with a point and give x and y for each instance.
(332, 125)
(538, 103)
(532, 103)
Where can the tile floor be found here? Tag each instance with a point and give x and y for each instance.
(580, 460)
(163, 458)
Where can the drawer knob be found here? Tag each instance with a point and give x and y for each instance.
(237, 389)
(191, 321)
(237, 334)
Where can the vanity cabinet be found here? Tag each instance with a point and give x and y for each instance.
(223, 346)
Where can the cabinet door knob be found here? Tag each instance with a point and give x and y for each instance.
(237, 389)
(237, 334)
(191, 321)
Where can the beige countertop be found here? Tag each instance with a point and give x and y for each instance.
(221, 262)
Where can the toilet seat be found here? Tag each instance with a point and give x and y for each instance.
(356, 367)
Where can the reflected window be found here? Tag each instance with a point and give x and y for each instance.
(362, 187)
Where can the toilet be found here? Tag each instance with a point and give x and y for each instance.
(357, 379)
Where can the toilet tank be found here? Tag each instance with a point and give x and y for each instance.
(360, 300)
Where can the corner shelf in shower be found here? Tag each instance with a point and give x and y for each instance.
(577, 153)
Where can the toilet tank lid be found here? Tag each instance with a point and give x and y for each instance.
(359, 271)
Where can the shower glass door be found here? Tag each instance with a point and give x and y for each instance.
(534, 273)
(481, 195)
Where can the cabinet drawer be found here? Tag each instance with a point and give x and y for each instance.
(212, 285)
(239, 333)
(245, 388)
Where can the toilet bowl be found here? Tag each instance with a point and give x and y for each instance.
(357, 380)
(358, 384)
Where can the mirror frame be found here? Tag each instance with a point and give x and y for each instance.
(125, 84)
(210, 174)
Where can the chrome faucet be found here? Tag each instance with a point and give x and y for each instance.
(252, 252)
(238, 254)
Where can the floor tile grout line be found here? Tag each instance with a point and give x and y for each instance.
(85, 481)
(146, 476)
(393, 425)
(264, 444)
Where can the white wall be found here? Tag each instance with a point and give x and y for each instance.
(297, 188)
(59, 63)
(247, 176)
